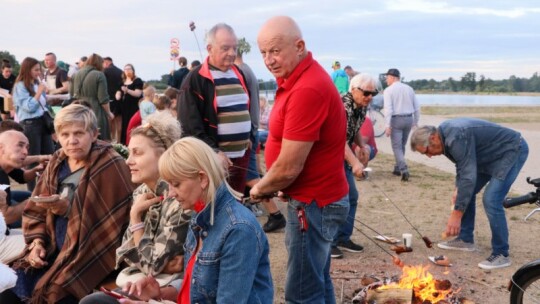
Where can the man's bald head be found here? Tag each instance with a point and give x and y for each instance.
(282, 46)
(13, 149)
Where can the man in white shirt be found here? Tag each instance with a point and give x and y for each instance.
(402, 114)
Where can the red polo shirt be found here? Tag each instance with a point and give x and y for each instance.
(308, 108)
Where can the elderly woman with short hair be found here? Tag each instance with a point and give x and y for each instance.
(71, 238)
(362, 88)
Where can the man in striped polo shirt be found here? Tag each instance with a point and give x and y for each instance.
(214, 104)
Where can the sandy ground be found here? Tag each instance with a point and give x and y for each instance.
(425, 201)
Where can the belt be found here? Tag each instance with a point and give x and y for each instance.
(402, 115)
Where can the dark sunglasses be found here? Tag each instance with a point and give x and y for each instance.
(367, 93)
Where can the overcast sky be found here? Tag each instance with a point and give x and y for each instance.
(422, 38)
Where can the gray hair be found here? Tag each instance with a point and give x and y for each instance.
(76, 113)
(420, 136)
(211, 35)
(362, 80)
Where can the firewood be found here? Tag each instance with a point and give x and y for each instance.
(393, 295)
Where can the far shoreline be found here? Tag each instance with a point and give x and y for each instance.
(426, 92)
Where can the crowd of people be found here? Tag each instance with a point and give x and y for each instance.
(167, 223)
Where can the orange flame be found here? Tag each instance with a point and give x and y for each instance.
(422, 282)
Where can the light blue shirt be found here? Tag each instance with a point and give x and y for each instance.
(146, 107)
(399, 99)
(26, 106)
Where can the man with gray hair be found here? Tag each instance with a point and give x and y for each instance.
(214, 105)
(484, 154)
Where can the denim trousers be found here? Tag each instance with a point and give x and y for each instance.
(401, 127)
(494, 194)
(308, 267)
(345, 231)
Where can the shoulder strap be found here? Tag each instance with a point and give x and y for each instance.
(76, 93)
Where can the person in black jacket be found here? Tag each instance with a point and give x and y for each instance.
(214, 105)
(114, 82)
(175, 81)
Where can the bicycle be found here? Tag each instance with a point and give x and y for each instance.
(375, 114)
(524, 286)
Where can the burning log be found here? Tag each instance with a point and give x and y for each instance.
(394, 296)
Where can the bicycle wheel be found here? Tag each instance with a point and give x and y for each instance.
(377, 119)
(526, 289)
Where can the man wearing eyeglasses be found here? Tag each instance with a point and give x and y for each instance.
(402, 113)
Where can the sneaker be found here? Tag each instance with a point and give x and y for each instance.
(396, 172)
(495, 261)
(274, 223)
(335, 253)
(456, 244)
(350, 246)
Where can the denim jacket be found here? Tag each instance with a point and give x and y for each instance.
(232, 265)
(26, 106)
(478, 147)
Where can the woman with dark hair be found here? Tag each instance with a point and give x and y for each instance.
(7, 80)
(129, 96)
(30, 106)
(90, 84)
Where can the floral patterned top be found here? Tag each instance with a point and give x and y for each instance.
(355, 117)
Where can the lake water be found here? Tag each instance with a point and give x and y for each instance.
(463, 100)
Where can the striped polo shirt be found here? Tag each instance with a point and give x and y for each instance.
(234, 122)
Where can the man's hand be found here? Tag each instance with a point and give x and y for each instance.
(146, 288)
(388, 131)
(454, 223)
(226, 162)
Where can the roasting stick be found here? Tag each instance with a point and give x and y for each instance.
(395, 259)
(426, 240)
(382, 235)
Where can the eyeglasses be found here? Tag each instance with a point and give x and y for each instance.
(367, 93)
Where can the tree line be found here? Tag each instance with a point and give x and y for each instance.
(471, 83)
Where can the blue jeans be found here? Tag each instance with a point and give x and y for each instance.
(493, 198)
(252, 172)
(263, 136)
(308, 267)
(345, 231)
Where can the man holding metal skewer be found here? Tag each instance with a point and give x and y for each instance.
(486, 155)
(304, 154)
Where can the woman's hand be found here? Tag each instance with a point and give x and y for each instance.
(146, 288)
(37, 255)
(118, 95)
(124, 89)
(175, 265)
(141, 204)
(58, 207)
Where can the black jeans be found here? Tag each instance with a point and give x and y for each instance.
(40, 141)
(10, 297)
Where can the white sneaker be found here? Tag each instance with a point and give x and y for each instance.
(457, 244)
(495, 261)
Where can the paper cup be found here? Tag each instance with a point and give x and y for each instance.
(407, 240)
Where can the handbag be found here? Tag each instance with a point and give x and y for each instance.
(48, 120)
(69, 101)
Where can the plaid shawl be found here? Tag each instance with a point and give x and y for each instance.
(98, 218)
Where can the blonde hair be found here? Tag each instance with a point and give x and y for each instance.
(150, 92)
(161, 128)
(76, 113)
(186, 158)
